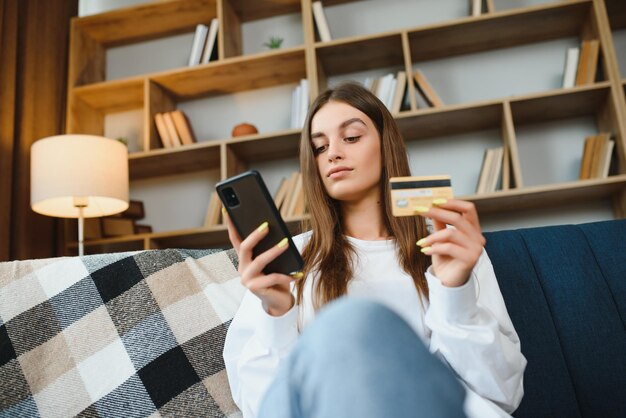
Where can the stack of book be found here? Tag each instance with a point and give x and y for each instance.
(581, 64)
(596, 159)
(289, 198)
(299, 104)
(204, 40)
(214, 211)
(492, 167)
(121, 224)
(390, 89)
(174, 129)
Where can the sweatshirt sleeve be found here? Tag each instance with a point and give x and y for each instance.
(256, 343)
(471, 329)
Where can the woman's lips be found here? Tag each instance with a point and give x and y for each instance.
(340, 173)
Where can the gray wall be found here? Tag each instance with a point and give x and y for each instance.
(549, 152)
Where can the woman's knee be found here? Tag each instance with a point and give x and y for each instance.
(360, 322)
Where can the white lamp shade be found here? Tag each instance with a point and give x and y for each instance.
(69, 167)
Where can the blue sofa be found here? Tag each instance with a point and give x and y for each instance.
(134, 334)
(565, 290)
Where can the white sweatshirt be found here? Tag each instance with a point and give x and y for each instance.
(468, 326)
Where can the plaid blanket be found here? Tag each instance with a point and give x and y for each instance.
(117, 335)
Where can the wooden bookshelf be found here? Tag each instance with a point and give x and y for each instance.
(91, 97)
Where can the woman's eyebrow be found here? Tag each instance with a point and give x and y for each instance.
(343, 125)
(350, 121)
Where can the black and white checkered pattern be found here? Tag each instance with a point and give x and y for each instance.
(117, 335)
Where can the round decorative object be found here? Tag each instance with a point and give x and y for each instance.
(244, 129)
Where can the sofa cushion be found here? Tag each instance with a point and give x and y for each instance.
(564, 288)
(124, 334)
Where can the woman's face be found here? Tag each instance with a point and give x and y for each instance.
(346, 145)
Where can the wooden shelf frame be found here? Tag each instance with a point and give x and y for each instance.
(91, 98)
(535, 197)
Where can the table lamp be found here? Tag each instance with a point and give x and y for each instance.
(78, 176)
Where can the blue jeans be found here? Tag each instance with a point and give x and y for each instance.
(360, 359)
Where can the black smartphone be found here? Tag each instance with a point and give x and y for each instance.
(249, 204)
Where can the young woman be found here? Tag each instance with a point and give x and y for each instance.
(423, 313)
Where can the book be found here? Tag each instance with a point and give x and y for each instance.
(585, 161)
(162, 130)
(295, 107)
(571, 67)
(506, 167)
(304, 102)
(596, 158)
(171, 129)
(490, 170)
(135, 210)
(484, 169)
(214, 210)
(374, 85)
(183, 127)
(286, 205)
(383, 88)
(476, 7)
(605, 159)
(199, 39)
(115, 227)
(398, 94)
(494, 170)
(299, 104)
(596, 154)
(320, 21)
(210, 43)
(426, 89)
(587, 62)
(279, 198)
(294, 195)
(92, 228)
(142, 229)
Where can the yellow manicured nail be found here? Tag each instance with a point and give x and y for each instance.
(223, 210)
(420, 209)
(425, 250)
(421, 242)
(283, 242)
(440, 201)
(262, 227)
(297, 275)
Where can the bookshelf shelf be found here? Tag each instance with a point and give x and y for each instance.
(91, 98)
(162, 162)
(249, 10)
(560, 103)
(449, 120)
(206, 237)
(204, 154)
(283, 144)
(147, 21)
(113, 96)
(476, 34)
(536, 197)
(347, 55)
(527, 198)
(235, 74)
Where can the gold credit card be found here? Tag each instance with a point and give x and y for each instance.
(410, 192)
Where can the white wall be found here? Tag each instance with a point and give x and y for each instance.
(549, 152)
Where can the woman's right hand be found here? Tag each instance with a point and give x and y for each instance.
(274, 289)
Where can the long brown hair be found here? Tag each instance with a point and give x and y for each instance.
(328, 250)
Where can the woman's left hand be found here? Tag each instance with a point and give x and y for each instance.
(454, 251)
